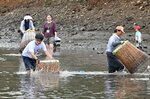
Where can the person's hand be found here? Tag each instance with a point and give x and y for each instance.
(37, 61)
(122, 42)
(33, 30)
(51, 58)
(23, 32)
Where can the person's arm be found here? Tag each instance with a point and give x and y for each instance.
(22, 27)
(44, 28)
(31, 50)
(136, 37)
(32, 25)
(34, 56)
(115, 43)
(55, 34)
(48, 55)
(141, 36)
(46, 51)
(54, 28)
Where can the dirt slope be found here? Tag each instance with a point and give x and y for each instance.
(74, 16)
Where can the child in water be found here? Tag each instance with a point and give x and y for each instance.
(138, 37)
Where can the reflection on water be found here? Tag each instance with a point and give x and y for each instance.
(32, 86)
(83, 76)
(122, 88)
(109, 88)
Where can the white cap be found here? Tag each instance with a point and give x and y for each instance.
(28, 17)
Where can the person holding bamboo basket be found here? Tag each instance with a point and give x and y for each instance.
(29, 54)
(27, 32)
(26, 24)
(114, 63)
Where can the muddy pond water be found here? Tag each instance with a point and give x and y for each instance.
(83, 75)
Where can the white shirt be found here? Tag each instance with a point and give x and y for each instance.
(22, 28)
(32, 47)
(138, 36)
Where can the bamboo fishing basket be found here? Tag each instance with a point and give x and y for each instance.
(49, 65)
(28, 36)
(133, 58)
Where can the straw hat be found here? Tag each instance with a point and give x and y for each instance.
(121, 28)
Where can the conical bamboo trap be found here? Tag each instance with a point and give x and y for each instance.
(28, 36)
(133, 59)
(49, 66)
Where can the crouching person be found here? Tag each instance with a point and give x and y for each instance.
(29, 53)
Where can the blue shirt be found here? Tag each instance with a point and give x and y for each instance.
(114, 40)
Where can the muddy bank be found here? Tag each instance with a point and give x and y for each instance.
(78, 15)
(79, 22)
(87, 40)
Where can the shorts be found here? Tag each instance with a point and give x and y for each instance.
(49, 40)
(29, 63)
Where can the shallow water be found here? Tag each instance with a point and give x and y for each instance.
(83, 76)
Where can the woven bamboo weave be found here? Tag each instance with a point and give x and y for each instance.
(49, 66)
(28, 36)
(132, 58)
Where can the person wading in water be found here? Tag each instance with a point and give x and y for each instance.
(49, 31)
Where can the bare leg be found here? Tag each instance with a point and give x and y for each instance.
(49, 49)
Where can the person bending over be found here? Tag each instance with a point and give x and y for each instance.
(113, 62)
(29, 54)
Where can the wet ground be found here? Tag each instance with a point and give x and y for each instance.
(83, 76)
(81, 40)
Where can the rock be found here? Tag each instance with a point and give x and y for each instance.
(100, 52)
(145, 47)
(82, 29)
(129, 18)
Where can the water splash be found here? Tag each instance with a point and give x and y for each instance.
(73, 73)
(143, 79)
(21, 67)
(12, 54)
(19, 73)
